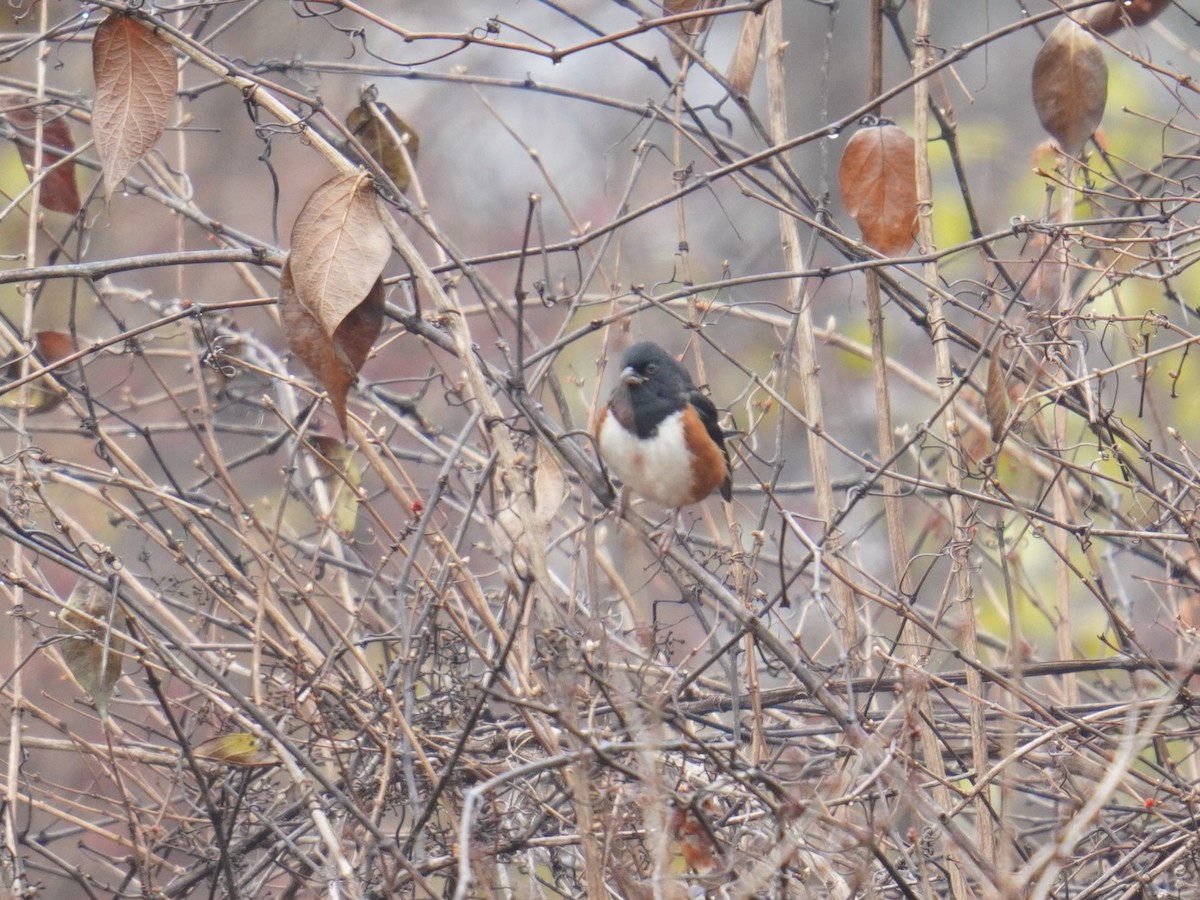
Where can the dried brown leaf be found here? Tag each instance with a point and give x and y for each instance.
(336, 361)
(740, 74)
(1070, 85)
(388, 142)
(687, 30)
(91, 650)
(878, 178)
(59, 190)
(1108, 18)
(339, 249)
(135, 84)
(995, 398)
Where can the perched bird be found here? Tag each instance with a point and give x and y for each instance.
(659, 434)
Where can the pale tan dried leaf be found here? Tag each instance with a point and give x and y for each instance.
(878, 179)
(339, 248)
(135, 84)
(91, 650)
(687, 30)
(336, 361)
(59, 190)
(1108, 18)
(240, 749)
(549, 487)
(740, 74)
(387, 142)
(1070, 85)
(995, 398)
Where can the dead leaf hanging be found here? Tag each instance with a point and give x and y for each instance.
(336, 361)
(59, 190)
(91, 650)
(339, 248)
(878, 180)
(687, 30)
(387, 142)
(135, 83)
(1070, 85)
(1109, 18)
(742, 66)
(995, 400)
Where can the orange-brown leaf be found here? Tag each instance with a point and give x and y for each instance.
(1108, 18)
(878, 178)
(339, 249)
(388, 142)
(336, 361)
(59, 190)
(1070, 85)
(995, 399)
(135, 83)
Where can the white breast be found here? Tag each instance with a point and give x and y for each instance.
(655, 468)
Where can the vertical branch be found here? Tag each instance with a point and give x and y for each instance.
(804, 347)
(962, 531)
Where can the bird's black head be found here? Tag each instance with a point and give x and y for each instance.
(648, 368)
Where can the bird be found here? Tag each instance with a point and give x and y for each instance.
(660, 434)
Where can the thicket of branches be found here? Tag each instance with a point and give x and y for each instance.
(264, 641)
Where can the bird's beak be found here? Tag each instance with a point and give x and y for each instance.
(630, 376)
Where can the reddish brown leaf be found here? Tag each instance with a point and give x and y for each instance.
(59, 191)
(740, 74)
(688, 29)
(135, 84)
(1070, 85)
(383, 140)
(1108, 18)
(334, 362)
(339, 249)
(995, 399)
(878, 178)
(90, 649)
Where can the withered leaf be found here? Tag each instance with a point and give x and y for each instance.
(339, 249)
(42, 395)
(135, 83)
(687, 30)
(240, 749)
(91, 650)
(740, 74)
(995, 398)
(878, 179)
(1070, 85)
(336, 361)
(59, 190)
(1108, 18)
(387, 141)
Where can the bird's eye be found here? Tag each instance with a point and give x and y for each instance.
(651, 368)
